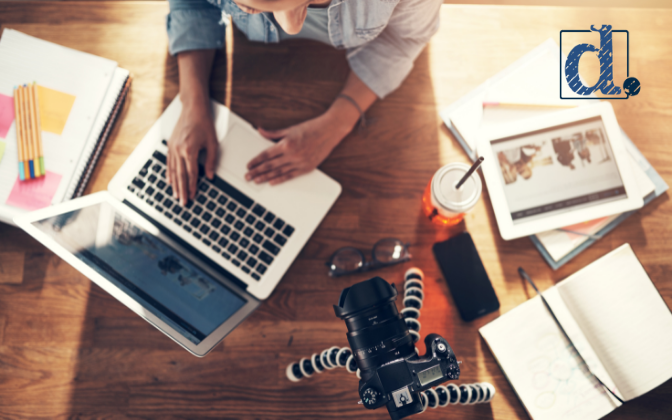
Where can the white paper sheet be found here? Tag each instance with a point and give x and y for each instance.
(24, 59)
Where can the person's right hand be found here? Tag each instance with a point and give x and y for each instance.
(193, 132)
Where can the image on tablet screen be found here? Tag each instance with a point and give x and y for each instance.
(558, 169)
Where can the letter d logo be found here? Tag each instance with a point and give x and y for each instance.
(606, 55)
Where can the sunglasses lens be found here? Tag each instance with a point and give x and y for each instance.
(347, 259)
(389, 250)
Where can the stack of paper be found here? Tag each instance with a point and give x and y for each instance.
(77, 92)
(528, 88)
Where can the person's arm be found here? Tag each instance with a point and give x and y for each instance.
(195, 129)
(194, 33)
(377, 68)
(304, 146)
(385, 62)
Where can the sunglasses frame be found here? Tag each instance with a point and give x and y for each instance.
(368, 265)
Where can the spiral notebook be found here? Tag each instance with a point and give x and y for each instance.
(80, 97)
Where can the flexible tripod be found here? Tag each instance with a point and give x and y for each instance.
(439, 396)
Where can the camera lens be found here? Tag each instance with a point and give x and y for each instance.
(377, 332)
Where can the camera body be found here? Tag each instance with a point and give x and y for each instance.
(398, 383)
(392, 373)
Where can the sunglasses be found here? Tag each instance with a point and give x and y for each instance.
(349, 260)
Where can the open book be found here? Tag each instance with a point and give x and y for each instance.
(620, 325)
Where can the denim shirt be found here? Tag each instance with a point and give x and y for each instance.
(382, 38)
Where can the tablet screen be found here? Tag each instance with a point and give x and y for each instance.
(145, 268)
(558, 169)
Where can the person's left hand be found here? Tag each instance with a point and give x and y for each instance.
(299, 149)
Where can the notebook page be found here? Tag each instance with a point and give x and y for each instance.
(625, 320)
(68, 73)
(541, 366)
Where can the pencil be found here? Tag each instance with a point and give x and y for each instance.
(33, 130)
(19, 133)
(39, 129)
(524, 105)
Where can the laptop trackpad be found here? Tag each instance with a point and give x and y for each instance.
(238, 148)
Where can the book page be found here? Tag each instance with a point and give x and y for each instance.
(625, 320)
(545, 371)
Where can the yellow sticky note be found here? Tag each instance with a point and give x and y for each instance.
(2, 149)
(55, 108)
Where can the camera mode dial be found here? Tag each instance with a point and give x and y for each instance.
(370, 397)
(453, 371)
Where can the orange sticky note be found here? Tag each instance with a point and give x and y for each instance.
(55, 109)
(34, 193)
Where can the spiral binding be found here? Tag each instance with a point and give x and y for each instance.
(439, 396)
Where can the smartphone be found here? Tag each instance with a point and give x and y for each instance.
(466, 277)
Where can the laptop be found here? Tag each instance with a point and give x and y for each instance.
(196, 271)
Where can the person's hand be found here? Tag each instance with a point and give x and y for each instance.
(193, 132)
(299, 150)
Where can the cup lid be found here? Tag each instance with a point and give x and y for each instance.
(449, 197)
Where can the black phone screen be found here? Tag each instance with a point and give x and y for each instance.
(466, 277)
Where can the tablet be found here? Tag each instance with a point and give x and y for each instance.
(556, 170)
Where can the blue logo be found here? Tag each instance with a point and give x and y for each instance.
(605, 53)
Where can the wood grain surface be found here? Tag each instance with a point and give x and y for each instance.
(69, 350)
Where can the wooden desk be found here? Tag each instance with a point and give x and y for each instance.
(68, 349)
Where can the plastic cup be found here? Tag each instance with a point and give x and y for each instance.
(446, 205)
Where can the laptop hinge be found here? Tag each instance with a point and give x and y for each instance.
(198, 254)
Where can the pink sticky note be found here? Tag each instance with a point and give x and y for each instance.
(6, 114)
(34, 194)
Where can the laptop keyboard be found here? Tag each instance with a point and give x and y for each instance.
(220, 216)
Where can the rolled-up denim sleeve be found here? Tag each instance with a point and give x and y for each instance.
(384, 63)
(194, 25)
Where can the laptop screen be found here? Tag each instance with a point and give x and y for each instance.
(143, 266)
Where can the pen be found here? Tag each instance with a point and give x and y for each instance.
(19, 134)
(28, 134)
(526, 277)
(34, 130)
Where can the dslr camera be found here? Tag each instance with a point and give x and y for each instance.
(392, 373)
